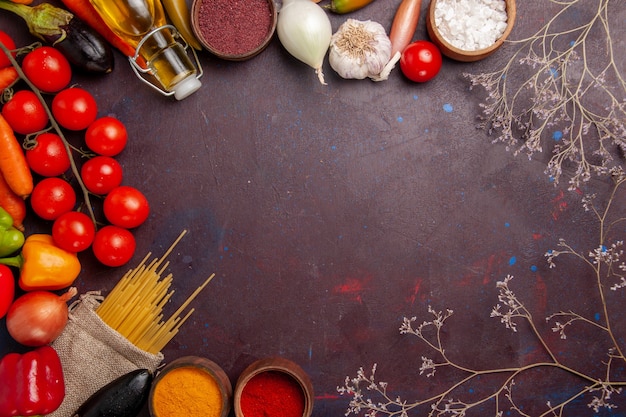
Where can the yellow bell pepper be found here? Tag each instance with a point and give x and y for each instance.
(45, 266)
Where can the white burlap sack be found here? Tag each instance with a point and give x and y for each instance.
(93, 354)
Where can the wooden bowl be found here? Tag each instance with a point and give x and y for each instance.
(209, 373)
(458, 54)
(275, 364)
(208, 21)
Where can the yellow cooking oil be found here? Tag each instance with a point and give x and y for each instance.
(138, 21)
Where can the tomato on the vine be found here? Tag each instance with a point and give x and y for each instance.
(49, 157)
(52, 197)
(420, 61)
(126, 207)
(101, 174)
(7, 41)
(25, 113)
(47, 69)
(113, 245)
(106, 136)
(74, 108)
(73, 231)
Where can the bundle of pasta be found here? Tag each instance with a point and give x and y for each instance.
(107, 337)
(134, 307)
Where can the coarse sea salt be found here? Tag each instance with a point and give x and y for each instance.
(471, 25)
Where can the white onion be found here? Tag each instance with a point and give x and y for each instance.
(38, 317)
(304, 30)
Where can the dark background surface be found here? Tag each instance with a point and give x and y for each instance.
(329, 213)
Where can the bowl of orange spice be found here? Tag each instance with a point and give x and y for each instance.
(190, 386)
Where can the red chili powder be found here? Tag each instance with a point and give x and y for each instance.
(234, 27)
(272, 394)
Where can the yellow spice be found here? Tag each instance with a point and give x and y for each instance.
(187, 392)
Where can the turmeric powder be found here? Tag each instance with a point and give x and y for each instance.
(187, 392)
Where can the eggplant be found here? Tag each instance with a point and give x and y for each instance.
(83, 47)
(122, 397)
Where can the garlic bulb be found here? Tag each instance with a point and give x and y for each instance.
(304, 30)
(359, 49)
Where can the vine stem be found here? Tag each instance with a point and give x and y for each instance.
(57, 129)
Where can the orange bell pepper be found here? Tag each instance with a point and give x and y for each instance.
(43, 265)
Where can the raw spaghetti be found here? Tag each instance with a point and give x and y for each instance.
(134, 307)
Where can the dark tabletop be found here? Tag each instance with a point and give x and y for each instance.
(330, 213)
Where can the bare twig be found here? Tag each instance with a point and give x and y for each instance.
(569, 103)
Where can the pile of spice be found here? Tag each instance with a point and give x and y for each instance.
(187, 392)
(471, 25)
(234, 27)
(272, 393)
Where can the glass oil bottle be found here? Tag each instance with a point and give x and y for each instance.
(142, 24)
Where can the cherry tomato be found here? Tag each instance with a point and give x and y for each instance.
(74, 108)
(420, 61)
(73, 231)
(126, 207)
(113, 245)
(25, 113)
(52, 197)
(106, 136)
(49, 156)
(7, 41)
(47, 69)
(101, 174)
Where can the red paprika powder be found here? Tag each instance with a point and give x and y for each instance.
(272, 394)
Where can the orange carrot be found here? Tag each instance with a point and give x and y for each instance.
(12, 203)
(85, 11)
(8, 75)
(404, 25)
(22, 1)
(13, 165)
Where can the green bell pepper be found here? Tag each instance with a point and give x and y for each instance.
(11, 239)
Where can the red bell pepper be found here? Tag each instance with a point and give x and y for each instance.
(7, 289)
(32, 383)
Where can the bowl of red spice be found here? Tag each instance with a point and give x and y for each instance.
(234, 30)
(469, 30)
(273, 387)
(190, 386)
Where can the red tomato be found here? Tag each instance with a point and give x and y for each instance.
(74, 108)
(126, 207)
(47, 69)
(7, 41)
(25, 113)
(420, 61)
(101, 174)
(73, 231)
(52, 197)
(113, 246)
(106, 136)
(49, 156)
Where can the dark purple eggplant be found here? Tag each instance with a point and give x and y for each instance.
(122, 397)
(83, 47)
